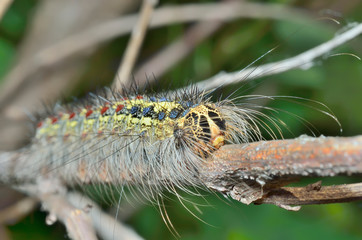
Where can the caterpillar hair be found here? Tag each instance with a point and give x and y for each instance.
(155, 143)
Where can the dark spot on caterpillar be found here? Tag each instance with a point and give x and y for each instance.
(216, 119)
(206, 133)
(147, 111)
(161, 115)
(174, 113)
(135, 111)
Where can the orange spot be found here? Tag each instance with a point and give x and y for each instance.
(259, 156)
(82, 171)
(218, 141)
(326, 150)
(103, 172)
(88, 113)
(54, 120)
(40, 124)
(71, 115)
(104, 109)
(139, 97)
(119, 107)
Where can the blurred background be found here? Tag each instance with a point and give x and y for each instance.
(35, 69)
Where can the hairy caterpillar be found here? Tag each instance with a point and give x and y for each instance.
(142, 142)
(153, 142)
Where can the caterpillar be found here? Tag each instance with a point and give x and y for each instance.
(152, 142)
(147, 143)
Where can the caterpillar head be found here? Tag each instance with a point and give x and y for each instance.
(205, 126)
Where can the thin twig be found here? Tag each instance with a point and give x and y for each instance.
(4, 233)
(76, 221)
(17, 210)
(302, 61)
(124, 71)
(52, 194)
(4, 5)
(176, 51)
(317, 195)
(106, 226)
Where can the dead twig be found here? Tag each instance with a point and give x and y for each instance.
(176, 51)
(124, 71)
(306, 195)
(17, 210)
(249, 172)
(302, 61)
(106, 226)
(4, 5)
(52, 194)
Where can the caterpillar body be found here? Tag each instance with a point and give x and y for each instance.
(152, 142)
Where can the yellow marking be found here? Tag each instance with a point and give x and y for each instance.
(216, 135)
(154, 128)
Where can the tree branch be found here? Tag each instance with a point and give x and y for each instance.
(4, 5)
(52, 194)
(106, 225)
(249, 172)
(313, 194)
(124, 71)
(176, 51)
(302, 61)
(17, 210)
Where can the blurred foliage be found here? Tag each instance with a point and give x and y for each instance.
(335, 81)
(12, 29)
